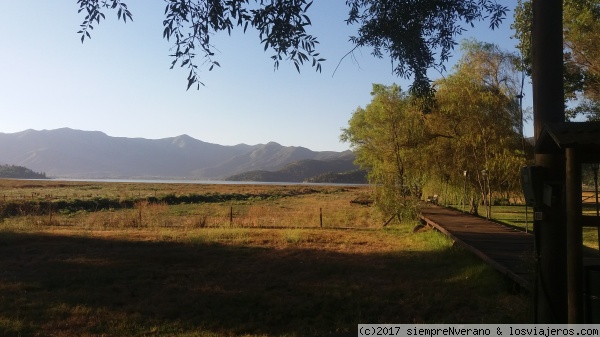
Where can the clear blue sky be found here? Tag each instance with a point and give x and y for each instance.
(119, 82)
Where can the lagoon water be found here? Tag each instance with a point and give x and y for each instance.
(202, 182)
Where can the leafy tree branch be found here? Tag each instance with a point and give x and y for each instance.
(410, 32)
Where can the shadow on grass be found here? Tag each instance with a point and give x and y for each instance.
(70, 285)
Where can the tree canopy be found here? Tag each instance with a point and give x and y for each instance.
(386, 137)
(478, 112)
(473, 126)
(417, 35)
(581, 31)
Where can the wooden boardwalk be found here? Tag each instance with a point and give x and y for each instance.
(508, 250)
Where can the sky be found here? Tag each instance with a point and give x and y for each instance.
(119, 81)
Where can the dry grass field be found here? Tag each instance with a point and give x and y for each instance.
(191, 269)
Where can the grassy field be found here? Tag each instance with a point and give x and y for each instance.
(249, 260)
(517, 216)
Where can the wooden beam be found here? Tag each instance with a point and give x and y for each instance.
(574, 238)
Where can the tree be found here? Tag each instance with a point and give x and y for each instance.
(581, 56)
(386, 137)
(476, 110)
(474, 126)
(410, 32)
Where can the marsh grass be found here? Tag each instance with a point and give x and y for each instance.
(187, 270)
(127, 205)
(297, 212)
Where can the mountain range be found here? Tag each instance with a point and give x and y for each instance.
(69, 153)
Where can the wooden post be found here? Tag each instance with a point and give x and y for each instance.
(50, 220)
(550, 228)
(231, 216)
(321, 217)
(574, 238)
(595, 170)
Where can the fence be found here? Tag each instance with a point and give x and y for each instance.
(157, 212)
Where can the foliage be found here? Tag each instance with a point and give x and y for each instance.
(280, 24)
(20, 172)
(386, 136)
(478, 113)
(474, 125)
(581, 31)
(479, 102)
(410, 32)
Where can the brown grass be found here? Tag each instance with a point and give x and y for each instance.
(92, 277)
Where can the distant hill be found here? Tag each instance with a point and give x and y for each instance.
(271, 157)
(72, 153)
(19, 172)
(303, 170)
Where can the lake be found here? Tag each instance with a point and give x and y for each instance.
(201, 182)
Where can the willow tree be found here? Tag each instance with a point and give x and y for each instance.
(476, 110)
(387, 137)
(473, 126)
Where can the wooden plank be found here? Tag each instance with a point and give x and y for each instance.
(505, 249)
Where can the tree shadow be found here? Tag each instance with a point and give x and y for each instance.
(73, 285)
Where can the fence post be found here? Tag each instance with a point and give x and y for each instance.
(231, 216)
(321, 216)
(51, 212)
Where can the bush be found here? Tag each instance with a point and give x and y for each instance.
(500, 202)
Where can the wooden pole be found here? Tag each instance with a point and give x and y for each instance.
(574, 238)
(321, 217)
(231, 216)
(548, 107)
(51, 211)
(595, 170)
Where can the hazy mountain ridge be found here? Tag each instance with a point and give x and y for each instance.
(72, 153)
(299, 171)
